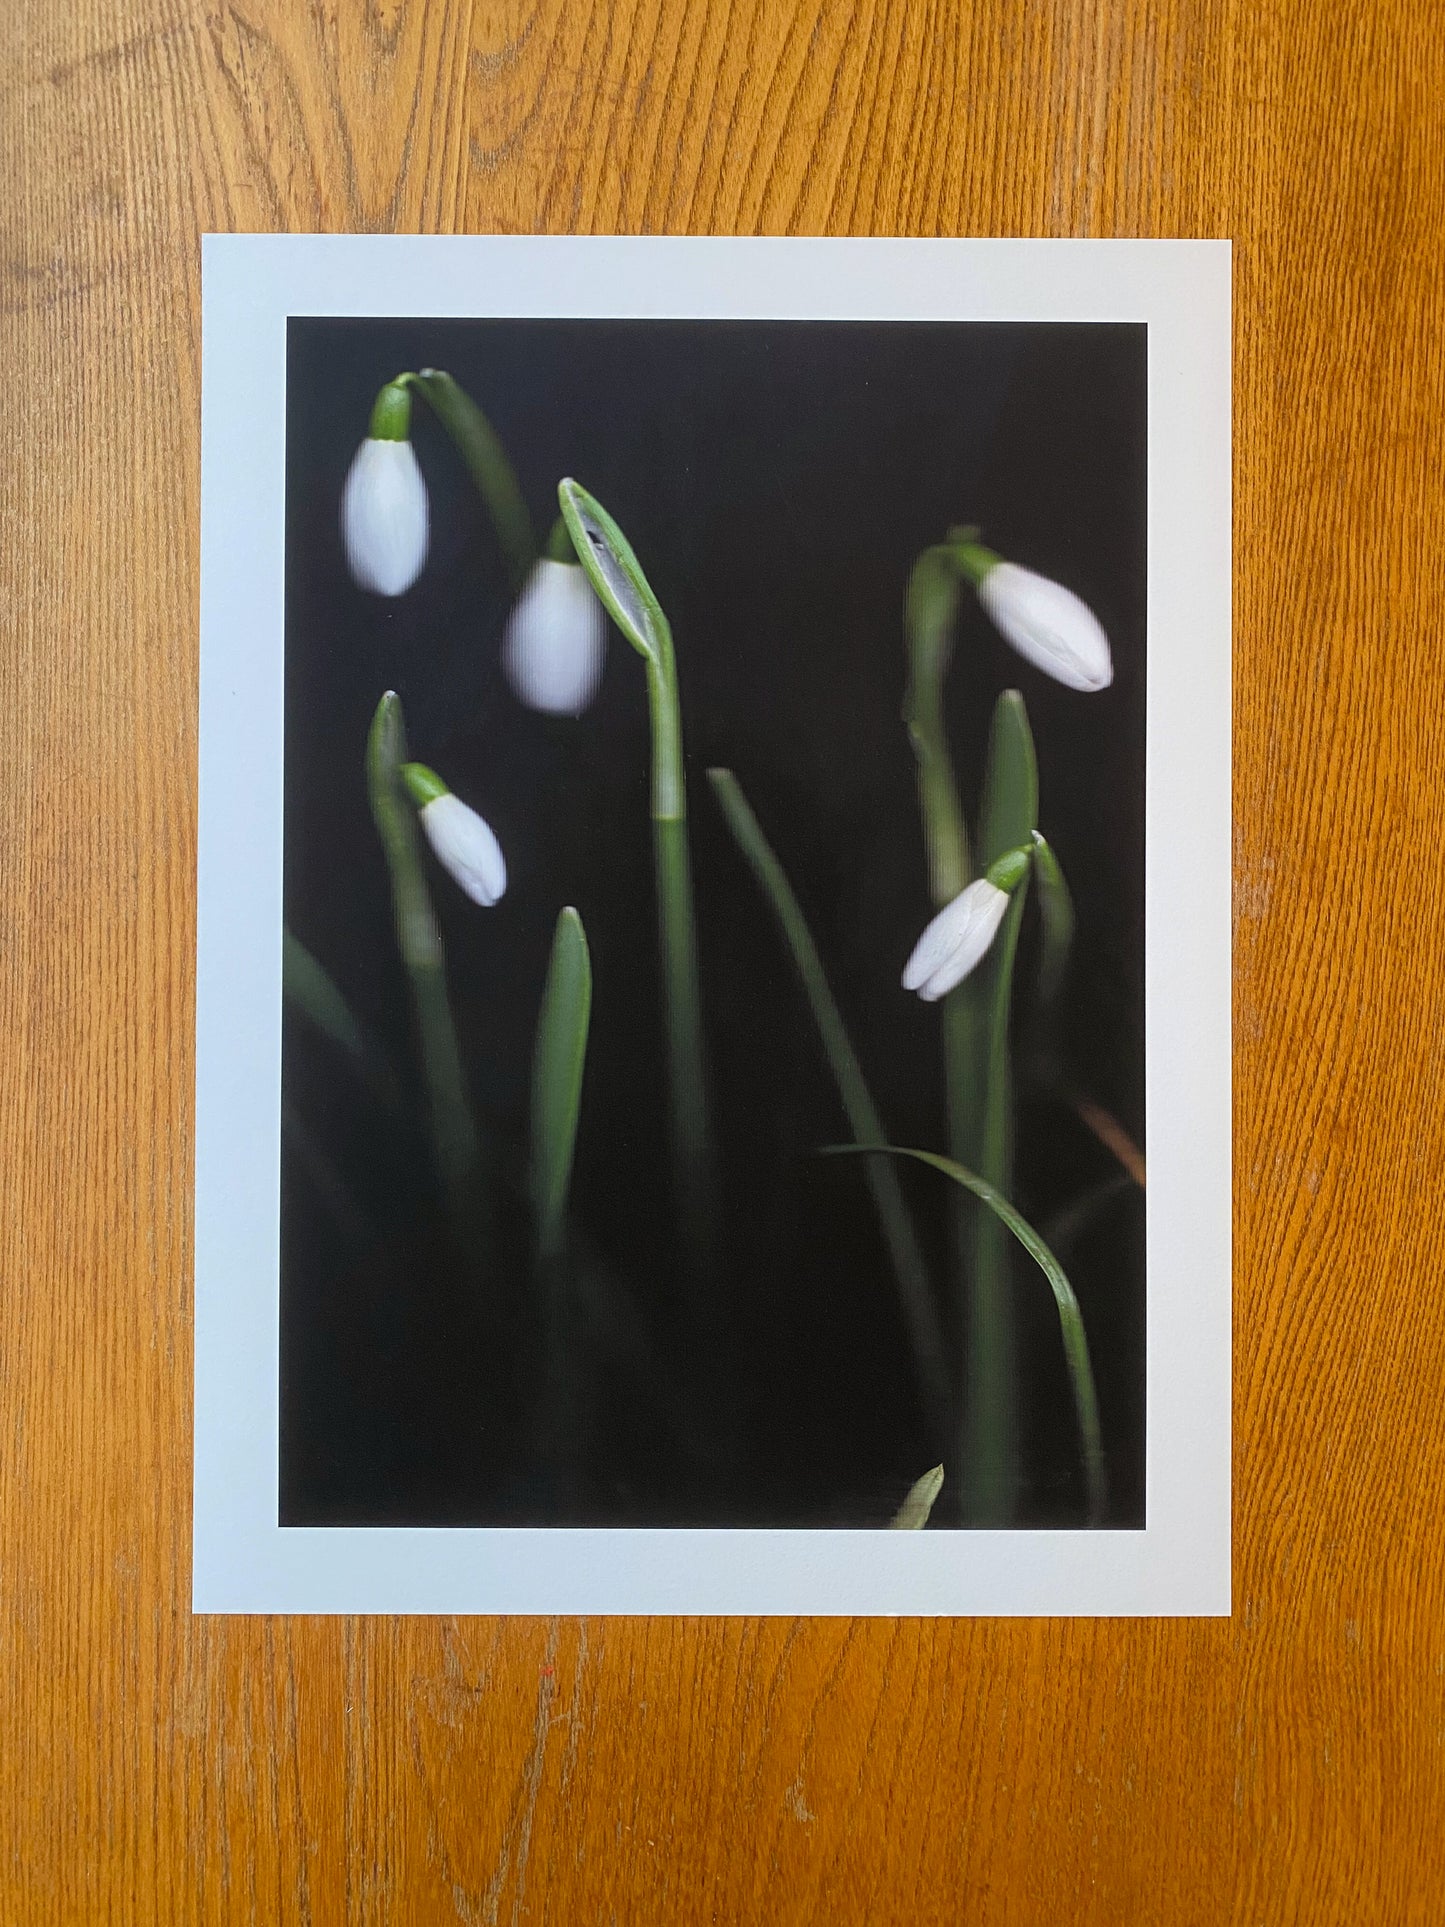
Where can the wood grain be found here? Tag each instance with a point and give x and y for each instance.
(1286, 1766)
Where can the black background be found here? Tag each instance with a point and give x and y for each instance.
(776, 481)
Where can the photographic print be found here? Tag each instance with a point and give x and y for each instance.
(697, 1018)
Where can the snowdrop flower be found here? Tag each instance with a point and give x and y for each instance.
(384, 515)
(556, 639)
(961, 935)
(462, 841)
(1047, 623)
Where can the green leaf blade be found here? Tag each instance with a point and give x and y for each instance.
(1009, 811)
(558, 1063)
(1056, 918)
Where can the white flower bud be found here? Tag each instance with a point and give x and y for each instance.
(1048, 625)
(957, 940)
(555, 640)
(465, 847)
(384, 517)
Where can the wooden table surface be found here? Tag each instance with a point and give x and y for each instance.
(1288, 1765)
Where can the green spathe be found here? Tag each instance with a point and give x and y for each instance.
(391, 413)
(423, 785)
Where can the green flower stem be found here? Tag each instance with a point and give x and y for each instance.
(624, 591)
(933, 597)
(975, 1016)
(682, 1003)
(981, 1129)
(681, 985)
(480, 447)
(1071, 1319)
(458, 1148)
(914, 1290)
(931, 611)
(990, 1419)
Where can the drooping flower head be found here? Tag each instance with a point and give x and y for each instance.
(385, 520)
(958, 939)
(555, 641)
(1047, 623)
(462, 841)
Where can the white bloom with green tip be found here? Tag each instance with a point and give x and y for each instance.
(961, 935)
(385, 519)
(1048, 625)
(957, 940)
(556, 640)
(462, 841)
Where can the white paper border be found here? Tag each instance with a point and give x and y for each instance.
(243, 1561)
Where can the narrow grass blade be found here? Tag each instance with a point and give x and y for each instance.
(419, 940)
(912, 1515)
(914, 1289)
(481, 449)
(557, 1066)
(1071, 1320)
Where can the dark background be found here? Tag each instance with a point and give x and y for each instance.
(776, 481)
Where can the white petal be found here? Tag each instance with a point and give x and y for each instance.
(384, 517)
(957, 940)
(1048, 625)
(555, 640)
(465, 847)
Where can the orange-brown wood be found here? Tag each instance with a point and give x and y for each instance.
(1286, 1766)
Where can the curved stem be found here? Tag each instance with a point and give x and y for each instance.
(481, 448)
(622, 587)
(932, 607)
